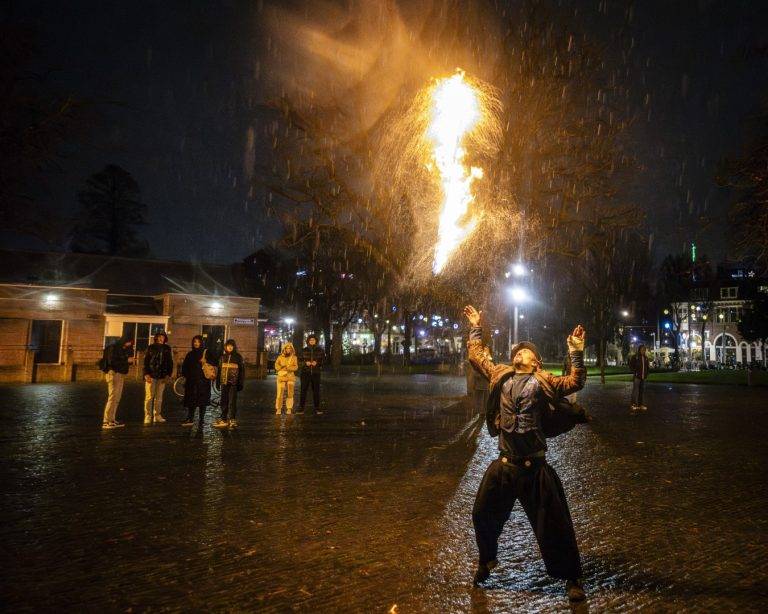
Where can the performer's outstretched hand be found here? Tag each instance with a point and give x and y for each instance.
(576, 339)
(473, 315)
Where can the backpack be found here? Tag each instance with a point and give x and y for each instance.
(209, 371)
(104, 361)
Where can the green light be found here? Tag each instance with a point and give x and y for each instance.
(693, 252)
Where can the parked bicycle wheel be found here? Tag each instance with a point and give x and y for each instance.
(178, 386)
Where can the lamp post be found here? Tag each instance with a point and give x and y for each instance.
(518, 295)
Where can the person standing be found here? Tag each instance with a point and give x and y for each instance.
(115, 363)
(231, 377)
(158, 368)
(311, 369)
(286, 366)
(197, 387)
(526, 405)
(640, 367)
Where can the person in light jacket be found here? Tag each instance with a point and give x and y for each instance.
(286, 366)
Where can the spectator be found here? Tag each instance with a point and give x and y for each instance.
(115, 363)
(197, 388)
(640, 368)
(158, 367)
(311, 369)
(231, 377)
(286, 366)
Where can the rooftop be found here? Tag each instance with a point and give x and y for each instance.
(128, 276)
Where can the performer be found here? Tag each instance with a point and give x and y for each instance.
(526, 405)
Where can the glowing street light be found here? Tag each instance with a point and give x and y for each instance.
(518, 269)
(519, 295)
(625, 313)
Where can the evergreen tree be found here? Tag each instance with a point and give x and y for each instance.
(111, 209)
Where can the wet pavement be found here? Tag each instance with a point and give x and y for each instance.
(369, 505)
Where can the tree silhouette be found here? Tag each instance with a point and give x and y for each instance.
(110, 211)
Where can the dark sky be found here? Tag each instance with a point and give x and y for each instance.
(177, 83)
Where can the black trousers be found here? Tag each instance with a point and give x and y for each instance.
(191, 414)
(228, 402)
(541, 494)
(310, 378)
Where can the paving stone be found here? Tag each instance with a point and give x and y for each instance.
(369, 505)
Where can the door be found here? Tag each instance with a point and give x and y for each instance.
(214, 338)
(46, 341)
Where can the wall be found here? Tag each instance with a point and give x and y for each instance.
(80, 309)
(188, 313)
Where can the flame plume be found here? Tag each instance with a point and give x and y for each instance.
(455, 112)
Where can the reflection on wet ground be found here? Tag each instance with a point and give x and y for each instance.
(369, 505)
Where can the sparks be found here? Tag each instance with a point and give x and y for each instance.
(455, 112)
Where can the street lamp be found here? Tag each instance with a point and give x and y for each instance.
(518, 295)
(624, 313)
(518, 269)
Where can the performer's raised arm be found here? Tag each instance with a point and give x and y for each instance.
(478, 353)
(564, 385)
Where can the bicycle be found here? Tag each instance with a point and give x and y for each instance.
(178, 389)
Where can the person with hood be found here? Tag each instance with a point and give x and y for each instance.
(115, 363)
(286, 366)
(158, 368)
(231, 377)
(640, 367)
(311, 369)
(526, 405)
(197, 387)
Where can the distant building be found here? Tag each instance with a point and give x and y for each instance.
(716, 312)
(58, 311)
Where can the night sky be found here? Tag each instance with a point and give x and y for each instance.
(177, 84)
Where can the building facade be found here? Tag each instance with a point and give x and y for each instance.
(56, 332)
(709, 328)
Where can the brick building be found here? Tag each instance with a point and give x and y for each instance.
(57, 311)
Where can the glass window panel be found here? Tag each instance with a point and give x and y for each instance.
(142, 336)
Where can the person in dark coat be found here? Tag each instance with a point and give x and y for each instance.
(523, 401)
(311, 369)
(158, 368)
(231, 377)
(197, 388)
(640, 367)
(115, 364)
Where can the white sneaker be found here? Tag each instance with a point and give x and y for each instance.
(159, 418)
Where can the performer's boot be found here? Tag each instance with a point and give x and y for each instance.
(483, 572)
(575, 591)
